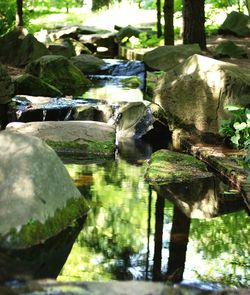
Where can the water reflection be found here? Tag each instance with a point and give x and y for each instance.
(135, 233)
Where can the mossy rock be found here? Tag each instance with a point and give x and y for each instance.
(167, 167)
(6, 86)
(60, 72)
(87, 63)
(132, 82)
(229, 49)
(38, 201)
(31, 85)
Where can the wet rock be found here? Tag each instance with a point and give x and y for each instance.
(83, 138)
(132, 82)
(101, 113)
(135, 120)
(18, 48)
(60, 72)
(236, 24)
(167, 57)
(31, 85)
(195, 93)
(38, 201)
(229, 49)
(88, 64)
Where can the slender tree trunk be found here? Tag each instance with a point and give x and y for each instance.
(169, 22)
(159, 28)
(19, 13)
(194, 22)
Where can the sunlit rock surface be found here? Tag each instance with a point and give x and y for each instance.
(38, 197)
(78, 137)
(195, 93)
(166, 57)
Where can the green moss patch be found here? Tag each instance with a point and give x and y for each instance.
(171, 167)
(35, 232)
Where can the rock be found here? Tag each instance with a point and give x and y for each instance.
(31, 85)
(194, 93)
(88, 64)
(132, 82)
(60, 72)
(6, 92)
(127, 32)
(38, 197)
(167, 57)
(62, 49)
(100, 112)
(65, 32)
(18, 48)
(135, 120)
(229, 49)
(72, 137)
(167, 167)
(237, 24)
(6, 86)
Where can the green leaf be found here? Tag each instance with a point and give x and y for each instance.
(231, 108)
(240, 126)
(235, 139)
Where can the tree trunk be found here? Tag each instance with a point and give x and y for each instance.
(19, 13)
(194, 22)
(159, 29)
(169, 22)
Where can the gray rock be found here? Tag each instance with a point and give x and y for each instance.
(236, 24)
(31, 85)
(80, 137)
(61, 73)
(136, 120)
(194, 93)
(166, 57)
(88, 64)
(38, 197)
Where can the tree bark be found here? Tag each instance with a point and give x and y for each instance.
(159, 28)
(19, 13)
(194, 22)
(169, 22)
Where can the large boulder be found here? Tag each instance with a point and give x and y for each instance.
(194, 93)
(32, 85)
(38, 197)
(84, 138)
(60, 72)
(237, 24)
(18, 48)
(166, 57)
(87, 63)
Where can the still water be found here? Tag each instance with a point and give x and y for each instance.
(121, 239)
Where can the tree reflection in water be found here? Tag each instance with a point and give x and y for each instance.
(125, 237)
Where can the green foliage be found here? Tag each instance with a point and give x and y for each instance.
(7, 15)
(237, 129)
(144, 40)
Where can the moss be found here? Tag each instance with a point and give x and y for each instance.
(133, 82)
(102, 148)
(171, 167)
(35, 232)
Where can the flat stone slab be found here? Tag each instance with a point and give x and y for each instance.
(168, 167)
(72, 137)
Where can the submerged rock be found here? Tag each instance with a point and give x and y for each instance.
(60, 72)
(166, 57)
(237, 24)
(194, 93)
(77, 138)
(38, 197)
